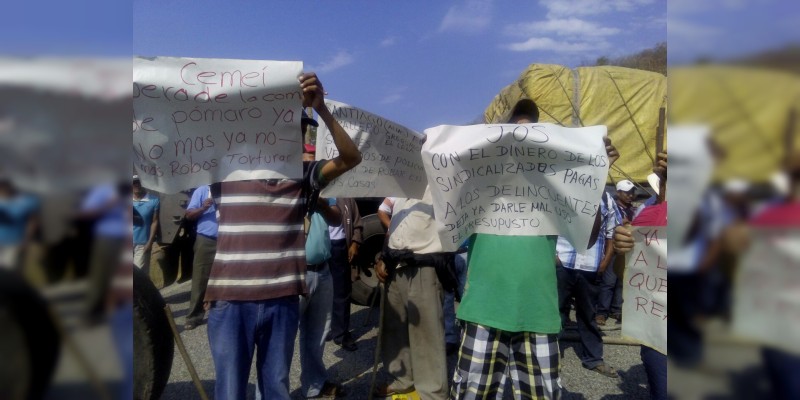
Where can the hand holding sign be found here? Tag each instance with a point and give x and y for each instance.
(524, 179)
(391, 163)
(198, 121)
(644, 293)
(313, 93)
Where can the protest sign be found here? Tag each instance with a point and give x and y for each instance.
(198, 121)
(391, 164)
(690, 170)
(644, 290)
(518, 180)
(767, 290)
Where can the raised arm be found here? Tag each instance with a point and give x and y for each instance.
(349, 156)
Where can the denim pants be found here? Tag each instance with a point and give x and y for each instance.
(122, 329)
(342, 285)
(572, 282)
(783, 370)
(655, 366)
(238, 328)
(609, 299)
(315, 324)
(452, 332)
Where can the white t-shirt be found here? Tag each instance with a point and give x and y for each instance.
(413, 226)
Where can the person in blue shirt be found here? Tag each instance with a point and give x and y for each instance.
(17, 224)
(145, 224)
(202, 209)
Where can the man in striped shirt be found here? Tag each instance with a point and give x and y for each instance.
(260, 265)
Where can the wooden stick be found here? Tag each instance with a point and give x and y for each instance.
(83, 362)
(662, 116)
(574, 337)
(184, 354)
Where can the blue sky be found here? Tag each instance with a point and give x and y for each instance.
(418, 63)
(729, 29)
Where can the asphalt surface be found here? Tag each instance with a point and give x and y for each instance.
(354, 369)
(731, 369)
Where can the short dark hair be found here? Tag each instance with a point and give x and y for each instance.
(526, 107)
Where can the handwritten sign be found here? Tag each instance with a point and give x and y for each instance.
(644, 292)
(198, 121)
(529, 179)
(690, 169)
(767, 289)
(391, 164)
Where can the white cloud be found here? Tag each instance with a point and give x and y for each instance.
(471, 17)
(389, 41)
(548, 44)
(394, 95)
(569, 27)
(694, 7)
(684, 29)
(339, 60)
(577, 8)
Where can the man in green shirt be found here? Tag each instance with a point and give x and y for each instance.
(510, 309)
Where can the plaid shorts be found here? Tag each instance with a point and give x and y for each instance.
(489, 355)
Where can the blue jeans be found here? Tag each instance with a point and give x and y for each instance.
(236, 329)
(573, 282)
(342, 286)
(783, 370)
(122, 329)
(315, 323)
(655, 366)
(452, 332)
(609, 299)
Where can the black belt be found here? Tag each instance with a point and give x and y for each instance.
(338, 242)
(315, 267)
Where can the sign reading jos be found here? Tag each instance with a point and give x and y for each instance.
(644, 292)
(767, 302)
(391, 164)
(529, 179)
(197, 121)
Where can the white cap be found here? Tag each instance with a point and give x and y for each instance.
(736, 186)
(625, 185)
(136, 177)
(780, 182)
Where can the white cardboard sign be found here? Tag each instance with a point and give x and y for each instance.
(198, 121)
(518, 180)
(391, 164)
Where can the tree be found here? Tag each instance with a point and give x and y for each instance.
(653, 59)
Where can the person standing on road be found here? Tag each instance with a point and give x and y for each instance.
(412, 340)
(511, 318)
(578, 274)
(145, 224)
(259, 270)
(655, 363)
(202, 209)
(345, 241)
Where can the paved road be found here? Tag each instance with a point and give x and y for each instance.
(732, 370)
(354, 369)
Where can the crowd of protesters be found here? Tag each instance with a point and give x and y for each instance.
(273, 260)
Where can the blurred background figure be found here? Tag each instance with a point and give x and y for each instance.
(64, 217)
(733, 69)
(18, 224)
(145, 224)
